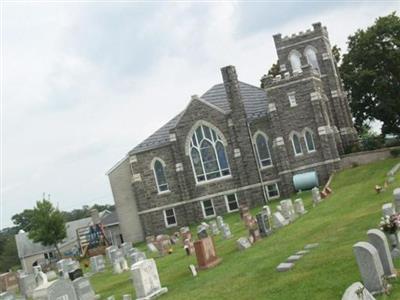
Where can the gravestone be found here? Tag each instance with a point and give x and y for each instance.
(264, 224)
(243, 210)
(111, 297)
(356, 291)
(267, 210)
(108, 251)
(8, 282)
(51, 275)
(146, 280)
(163, 244)
(193, 270)
(226, 232)
(378, 239)
(293, 258)
(302, 252)
(185, 233)
(387, 209)
(40, 277)
(125, 247)
(311, 246)
(152, 248)
(126, 297)
(254, 235)
(370, 267)
(243, 243)
(214, 228)
(220, 222)
(118, 261)
(137, 256)
(132, 250)
(278, 220)
(201, 232)
(75, 274)
(283, 267)
(7, 296)
(205, 253)
(83, 289)
(396, 199)
(97, 263)
(60, 289)
(288, 210)
(62, 267)
(27, 284)
(299, 207)
(279, 208)
(316, 196)
(188, 246)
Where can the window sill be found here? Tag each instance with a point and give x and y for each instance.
(311, 152)
(266, 168)
(170, 226)
(163, 193)
(233, 210)
(274, 197)
(299, 155)
(214, 180)
(209, 217)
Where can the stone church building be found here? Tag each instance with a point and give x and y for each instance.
(237, 143)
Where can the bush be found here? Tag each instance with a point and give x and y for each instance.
(395, 152)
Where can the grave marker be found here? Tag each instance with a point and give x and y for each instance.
(146, 280)
(356, 291)
(299, 207)
(60, 289)
(387, 209)
(83, 289)
(243, 243)
(263, 222)
(137, 256)
(370, 267)
(226, 232)
(278, 220)
(205, 253)
(378, 239)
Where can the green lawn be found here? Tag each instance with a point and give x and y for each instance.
(337, 224)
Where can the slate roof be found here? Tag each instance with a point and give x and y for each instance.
(110, 219)
(255, 105)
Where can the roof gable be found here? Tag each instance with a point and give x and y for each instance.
(255, 105)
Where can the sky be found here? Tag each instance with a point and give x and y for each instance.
(84, 82)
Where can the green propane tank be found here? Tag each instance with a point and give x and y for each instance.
(305, 181)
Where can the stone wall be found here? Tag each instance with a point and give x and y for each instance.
(363, 158)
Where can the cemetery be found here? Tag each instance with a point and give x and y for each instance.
(335, 242)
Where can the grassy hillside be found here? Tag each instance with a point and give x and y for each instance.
(339, 222)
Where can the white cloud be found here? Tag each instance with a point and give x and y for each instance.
(69, 115)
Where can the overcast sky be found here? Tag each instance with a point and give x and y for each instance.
(83, 83)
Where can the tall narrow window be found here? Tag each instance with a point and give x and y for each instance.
(272, 191)
(208, 208)
(159, 174)
(169, 217)
(308, 136)
(294, 58)
(311, 58)
(208, 155)
(264, 156)
(296, 144)
(231, 202)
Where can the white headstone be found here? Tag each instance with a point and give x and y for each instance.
(226, 232)
(287, 209)
(97, 263)
(214, 228)
(220, 222)
(27, 284)
(59, 289)
(146, 280)
(378, 239)
(299, 207)
(316, 196)
(109, 249)
(278, 220)
(83, 289)
(243, 243)
(137, 256)
(7, 296)
(152, 248)
(267, 210)
(370, 266)
(357, 292)
(193, 270)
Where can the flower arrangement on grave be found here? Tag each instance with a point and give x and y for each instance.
(390, 224)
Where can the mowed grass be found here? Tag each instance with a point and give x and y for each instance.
(336, 224)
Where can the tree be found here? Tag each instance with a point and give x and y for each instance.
(371, 73)
(336, 52)
(47, 225)
(9, 255)
(23, 220)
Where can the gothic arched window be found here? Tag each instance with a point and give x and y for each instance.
(296, 144)
(159, 175)
(294, 58)
(208, 155)
(311, 58)
(308, 137)
(264, 156)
